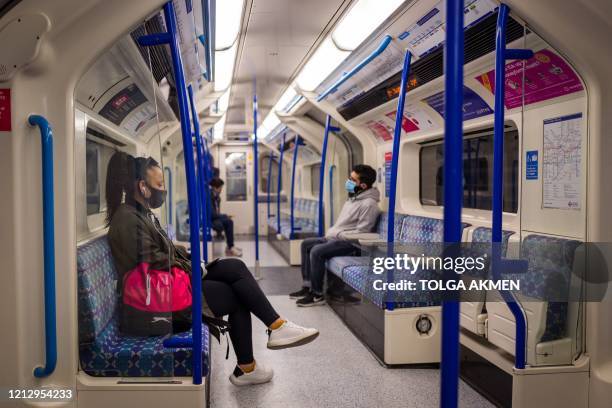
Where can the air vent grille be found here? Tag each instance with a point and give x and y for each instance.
(479, 41)
(160, 57)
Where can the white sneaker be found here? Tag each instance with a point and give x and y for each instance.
(233, 251)
(259, 375)
(290, 335)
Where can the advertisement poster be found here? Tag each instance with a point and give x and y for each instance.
(562, 162)
(388, 158)
(547, 76)
(415, 118)
(381, 131)
(473, 105)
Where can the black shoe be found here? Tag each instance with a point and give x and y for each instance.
(311, 300)
(299, 294)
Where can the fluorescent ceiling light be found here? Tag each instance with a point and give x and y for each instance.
(270, 122)
(228, 16)
(325, 59)
(219, 128)
(224, 67)
(223, 102)
(361, 21)
(285, 98)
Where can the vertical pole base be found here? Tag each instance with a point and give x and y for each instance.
(257, 272)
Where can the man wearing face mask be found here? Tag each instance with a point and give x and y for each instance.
(358, 215)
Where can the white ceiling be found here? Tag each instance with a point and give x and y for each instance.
(277, 37)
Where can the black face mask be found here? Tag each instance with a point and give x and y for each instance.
(157, 197)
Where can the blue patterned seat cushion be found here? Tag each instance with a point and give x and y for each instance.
(383, 223)
(103, 351)
(337, 264)
(481, 245)
(400, 299)
(115, 355)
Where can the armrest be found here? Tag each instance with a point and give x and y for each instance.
(372, 242)
(358, 236)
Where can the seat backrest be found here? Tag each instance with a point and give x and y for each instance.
(416, 229)
(97, 283)
(383, 223)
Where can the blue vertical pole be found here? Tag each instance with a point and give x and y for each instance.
(292, 213)
(194, 227)
(331, 194)
(501, 55)
(256, 182)
(280, 186)
(321, 225)
(201, 177)
(399, 117)
(453, 190)
(270, 181)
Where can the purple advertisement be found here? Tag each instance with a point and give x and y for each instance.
(473, 105)
(547, 76)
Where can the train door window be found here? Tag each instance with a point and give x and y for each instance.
(236, 174)
(477, 171)
(314, 179)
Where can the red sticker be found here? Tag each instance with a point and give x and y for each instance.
(5, 110)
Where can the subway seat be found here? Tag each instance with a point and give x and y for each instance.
(306, 219)
(551, 321)
(472, 315)
(409, 229)
(103, 350)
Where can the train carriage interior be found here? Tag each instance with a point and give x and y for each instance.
(430, 175)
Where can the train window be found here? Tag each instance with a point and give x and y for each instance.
(92, 178)
(97, 156)
(314, 179)
(236, 174)
(264, 174)
(477, 171)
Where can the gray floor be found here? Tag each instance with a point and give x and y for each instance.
(335, 371)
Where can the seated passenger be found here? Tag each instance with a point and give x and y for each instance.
(222, 222)
(155, 275)
(359, 214)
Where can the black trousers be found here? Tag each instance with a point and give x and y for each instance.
(223, 222)
(230, 290)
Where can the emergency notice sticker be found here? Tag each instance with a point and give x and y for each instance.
(5, 110)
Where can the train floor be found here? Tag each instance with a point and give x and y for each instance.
(336, 370)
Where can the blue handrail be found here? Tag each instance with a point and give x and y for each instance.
(399, 117)
(328, 128)
(171, 39)
(453, 189)
(292, 204)
(46, 138)
(207, 177)
(379, 50)
(200, 174)
(331, 194)
(256, 180)
(501, 55)
(280, 185)
(269, 181)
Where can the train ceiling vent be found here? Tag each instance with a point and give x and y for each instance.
(479, 41)
(160, 58)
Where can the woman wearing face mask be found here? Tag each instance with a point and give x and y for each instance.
(147, 260)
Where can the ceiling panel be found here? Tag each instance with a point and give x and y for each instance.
(280, 33)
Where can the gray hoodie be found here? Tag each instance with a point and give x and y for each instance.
(359, 214)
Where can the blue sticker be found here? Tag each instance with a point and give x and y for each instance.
(532, 165)
(403, 35)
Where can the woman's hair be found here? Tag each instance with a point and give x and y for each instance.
(216, 182)
(122, 174)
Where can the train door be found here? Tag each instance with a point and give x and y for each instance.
(236, 170)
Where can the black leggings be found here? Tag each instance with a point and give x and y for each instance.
(230, 289)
